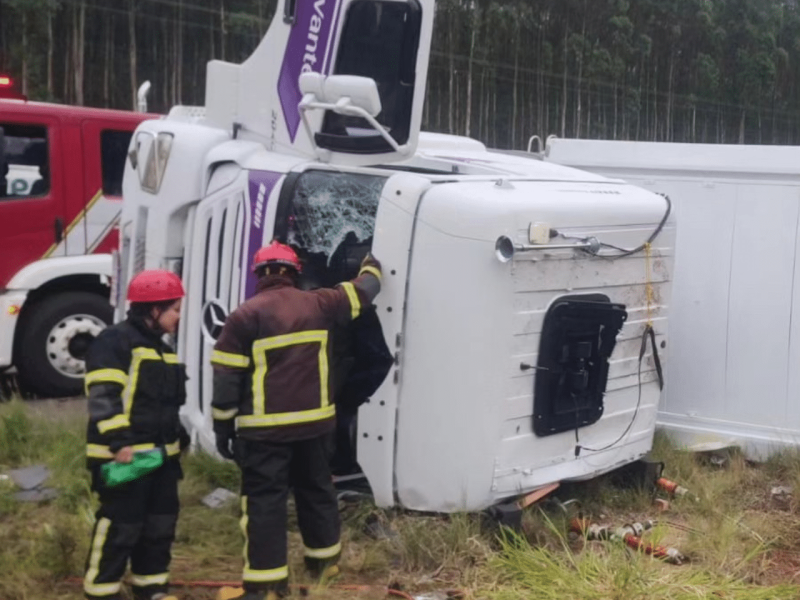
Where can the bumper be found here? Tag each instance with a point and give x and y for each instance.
(10, 305)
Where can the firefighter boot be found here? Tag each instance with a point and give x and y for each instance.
(231, 593)
(324, 571)
(329, 574)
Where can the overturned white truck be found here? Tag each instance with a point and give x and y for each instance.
(517, 296)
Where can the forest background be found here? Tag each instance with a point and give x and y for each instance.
(719, 71)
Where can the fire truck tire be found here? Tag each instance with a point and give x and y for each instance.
(55, 336)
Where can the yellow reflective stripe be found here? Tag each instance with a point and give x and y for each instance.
(243, 525)
(262, 346)
(291, 339)
(106, 376)
(290, 418)
(102, 589)
(144, 580)
(140, 354)
(371, 270)
(144, 353)
(259, 379)
(229, 359)
(170, 358)
(278, 574)
(100, 451)
(328, 552)
(224, 415)
(115, 422)
(99, 540)
(352, 295)
(323, 374)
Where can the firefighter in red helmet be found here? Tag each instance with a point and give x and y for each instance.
(135, 387)
(274, 416)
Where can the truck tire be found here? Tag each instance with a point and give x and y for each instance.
(55, 335)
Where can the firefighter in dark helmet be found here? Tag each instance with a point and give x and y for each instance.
(274, 416)
(135, 387)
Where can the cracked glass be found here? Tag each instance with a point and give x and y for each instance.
(333, 212)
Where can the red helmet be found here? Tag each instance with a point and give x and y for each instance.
(155, 286)
(277, 254)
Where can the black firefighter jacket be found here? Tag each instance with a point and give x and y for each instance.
(272, 360)
(135, 387)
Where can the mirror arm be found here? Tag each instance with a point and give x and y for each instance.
(344, 107)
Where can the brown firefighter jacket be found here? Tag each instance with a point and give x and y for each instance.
(271, 361)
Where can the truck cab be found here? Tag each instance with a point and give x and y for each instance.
(60, 198)
(505, 350)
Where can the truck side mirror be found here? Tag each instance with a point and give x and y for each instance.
(348, 95)
(347, 91)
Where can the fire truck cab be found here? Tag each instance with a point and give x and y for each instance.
(60, 198)
(516, 297)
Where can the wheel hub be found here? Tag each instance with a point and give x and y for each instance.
(68, 342)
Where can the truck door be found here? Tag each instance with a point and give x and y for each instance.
(386, 41)
(32, 211)
(333, 218)
(213, 276)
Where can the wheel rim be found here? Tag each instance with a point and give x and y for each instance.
(68, 342)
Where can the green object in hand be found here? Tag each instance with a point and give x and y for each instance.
(115, 473)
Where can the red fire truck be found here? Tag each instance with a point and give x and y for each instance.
(60, 199)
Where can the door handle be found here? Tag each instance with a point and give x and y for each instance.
(58, 229)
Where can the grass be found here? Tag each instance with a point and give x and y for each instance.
(740, 541)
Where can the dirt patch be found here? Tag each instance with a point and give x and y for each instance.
(781, 566)
(58, 408)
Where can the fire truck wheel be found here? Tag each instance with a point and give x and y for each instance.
(54, 339)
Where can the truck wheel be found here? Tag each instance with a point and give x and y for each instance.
(55, 337)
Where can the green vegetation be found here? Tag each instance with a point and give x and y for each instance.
(741, 541)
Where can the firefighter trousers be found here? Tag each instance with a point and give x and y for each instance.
(135, 522)
(269, 470)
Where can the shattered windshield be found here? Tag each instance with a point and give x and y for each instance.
(332, 209)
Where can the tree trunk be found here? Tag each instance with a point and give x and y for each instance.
(166, 65)
(212, 40)
(481, 92)
(78, 48)
(669, 96)
(451, 82)
(564, 88)
(589, 113)
(760, 137)
(468, 118)
(67, 55)
(493, 130)
(132, 51)
(51, 92)
(178, 70)
(541, 96)
(654, 135)
(741, 128)
(515, 92)
(616, 93)
(25, 51)
(107, 21)
(223, 31)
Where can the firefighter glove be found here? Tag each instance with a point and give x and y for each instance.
(370, 265)
(225, 443)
